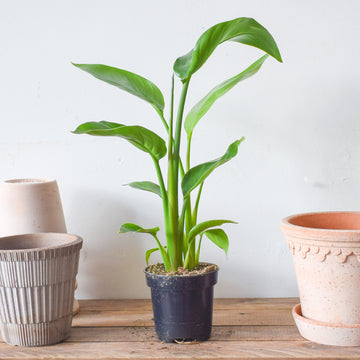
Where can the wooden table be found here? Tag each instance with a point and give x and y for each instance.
(243, 329)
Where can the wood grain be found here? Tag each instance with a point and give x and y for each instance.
(243, 329)
(210, 350)
(225, 304)
(220, 317)
(219, 333)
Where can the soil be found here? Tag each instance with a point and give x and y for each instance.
(203, 268)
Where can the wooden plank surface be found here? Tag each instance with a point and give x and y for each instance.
(219, 333)
(225, 304)
(243, 329)
(209, 350)
(220, 317)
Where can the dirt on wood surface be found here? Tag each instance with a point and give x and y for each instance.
(202, 268)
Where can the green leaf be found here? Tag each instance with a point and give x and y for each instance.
(148, 253)
(243, 30)
(196, 175)
(219, 238)
(199, 228)
(129, 227)
(202, 107)
(182, 64)
(128, 81)
(142, 138)
(146, 186)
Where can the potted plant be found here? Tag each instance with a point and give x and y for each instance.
(326, 254)
(182, 287)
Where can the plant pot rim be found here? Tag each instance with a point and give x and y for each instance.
(64, 240)
(28, 181)
(161, 276)
(337, 226)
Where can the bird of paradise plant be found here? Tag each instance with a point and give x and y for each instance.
(182, 231)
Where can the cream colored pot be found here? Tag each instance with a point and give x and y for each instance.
(326, 253)
(30, 206)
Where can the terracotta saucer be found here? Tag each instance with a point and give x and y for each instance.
(325, 333)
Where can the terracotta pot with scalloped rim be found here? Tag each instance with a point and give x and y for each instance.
(326, 253)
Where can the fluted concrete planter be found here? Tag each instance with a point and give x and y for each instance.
(30, 206)
(37, 281)
(326, 254)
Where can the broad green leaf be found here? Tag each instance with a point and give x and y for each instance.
(199, 228)
(146, 186)
(142, 138)
(127, 81)
(219, 238)
(196, 175)
(101, 125)
(129, 227)
(243, 30)
(202, 107)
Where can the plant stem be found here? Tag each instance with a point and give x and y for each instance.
(169, 230)
(162, 119)
(164, 255)
(172, 233)
(198, 251)
(176, 161)
(170, 129)
(188, 152)
(188, 220)
(196, 208)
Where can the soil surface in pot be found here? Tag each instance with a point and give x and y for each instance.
(203, 268)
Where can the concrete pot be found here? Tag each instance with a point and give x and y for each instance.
(37, 281)
(326, 253)
(30, 206)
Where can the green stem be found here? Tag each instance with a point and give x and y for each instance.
(162, 119)
(170, 129)
(176, 165)
(196, 208)
(172, 235)
(188, 220)
(188, 152)
(164, 255)
(169, 230)
(178, 130)
(181, 226)
(198, 251)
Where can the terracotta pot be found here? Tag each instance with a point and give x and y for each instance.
(37, 281)
(31, 206)
(326, 253)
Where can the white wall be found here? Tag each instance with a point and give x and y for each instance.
(300, 120)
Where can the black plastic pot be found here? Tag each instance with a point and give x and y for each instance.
(182, 305)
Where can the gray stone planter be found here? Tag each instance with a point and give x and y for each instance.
(37, 281)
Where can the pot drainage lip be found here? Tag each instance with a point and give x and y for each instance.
(326, 333)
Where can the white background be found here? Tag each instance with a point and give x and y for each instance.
(300, 120)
